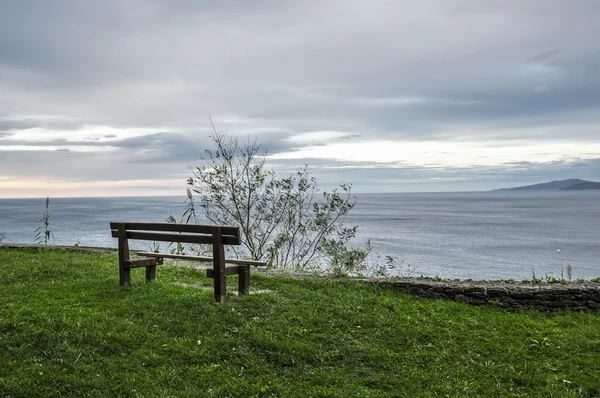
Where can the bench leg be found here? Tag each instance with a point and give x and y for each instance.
(151, 273)
(220, 283)
(243, 279)
(125, 276)
(124, 271)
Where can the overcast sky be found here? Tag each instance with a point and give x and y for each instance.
(113, 97)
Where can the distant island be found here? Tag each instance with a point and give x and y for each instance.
(573, 184)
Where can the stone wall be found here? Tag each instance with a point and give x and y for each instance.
(577, 296)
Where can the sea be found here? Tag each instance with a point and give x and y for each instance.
(463, 235)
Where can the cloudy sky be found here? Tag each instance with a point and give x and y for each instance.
(113, 98)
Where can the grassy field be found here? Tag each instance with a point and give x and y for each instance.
(68, 329)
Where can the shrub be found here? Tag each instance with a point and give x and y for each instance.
(284, 220)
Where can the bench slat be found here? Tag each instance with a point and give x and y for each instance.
(202, 258)
(176, 227)
(171, 237)
(141, 262)
(210, 273)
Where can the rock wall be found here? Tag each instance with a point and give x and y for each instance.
(576, 296)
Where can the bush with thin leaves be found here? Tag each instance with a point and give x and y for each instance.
(284, 220)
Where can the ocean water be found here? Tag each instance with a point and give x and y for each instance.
(476, 235)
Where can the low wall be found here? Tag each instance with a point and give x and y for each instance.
(577, 296)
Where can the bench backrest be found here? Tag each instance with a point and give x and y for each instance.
(172, 232)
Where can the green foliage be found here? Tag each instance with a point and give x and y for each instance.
(549, 278)
(376, 267)
(154, 247)
(179, 248)
(189, 216)
(283, 219)
(343, 259)
(43, 233)
(68, 329)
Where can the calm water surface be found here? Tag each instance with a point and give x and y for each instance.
(487, 235)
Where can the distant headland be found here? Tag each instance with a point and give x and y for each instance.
(573, 184)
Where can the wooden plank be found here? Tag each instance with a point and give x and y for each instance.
(219, 279)
(243, 279)
(141, 262)
(177, 227)
(228, 271)
(151, 271)
(124, 274)
(151, 274)
(203, 258)
(172, 237)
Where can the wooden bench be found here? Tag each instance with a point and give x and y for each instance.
(217, 236)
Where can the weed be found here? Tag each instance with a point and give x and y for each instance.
(43, 233)
(155, 247)
(179, 247)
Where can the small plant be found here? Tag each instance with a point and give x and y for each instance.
(550, 278)
(190, 217)
(378, 269)
(43, 233)
(390, 266)
(179, 249)
(155, 247)
(77, 243)
(344, 260)
(505, 281)
(2, 236)
(534, 279)
(190, 209)
(570, 272)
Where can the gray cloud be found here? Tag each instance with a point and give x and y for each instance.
(15, 124)
(543, 55)
(446, 71)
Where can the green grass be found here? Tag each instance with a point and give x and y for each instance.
(68, 329)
